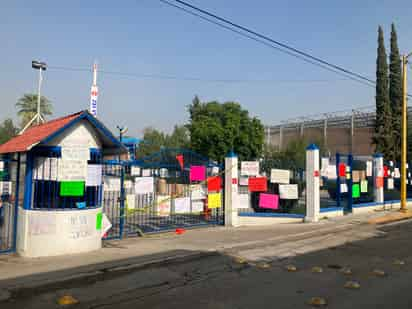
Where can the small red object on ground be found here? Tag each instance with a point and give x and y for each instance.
(180, 231)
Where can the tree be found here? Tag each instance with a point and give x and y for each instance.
(7, 130)
(395, 93)
(217, 128)
(383, 124)
(179, 138)
(27, 107)
(153, 141)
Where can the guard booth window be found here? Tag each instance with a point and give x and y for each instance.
(48, 191)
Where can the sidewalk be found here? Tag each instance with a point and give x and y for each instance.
(139, 252)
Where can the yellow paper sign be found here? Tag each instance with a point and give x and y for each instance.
(214, 200)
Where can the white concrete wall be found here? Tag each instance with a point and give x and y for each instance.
(52, 233)
(262, 221)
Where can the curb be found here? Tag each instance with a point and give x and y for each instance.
(394, 217)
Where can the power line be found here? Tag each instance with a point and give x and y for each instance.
(266, 38)
(173, 77)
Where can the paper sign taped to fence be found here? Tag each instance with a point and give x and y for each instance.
(146, 172)
(197, 173)
(258, 184)
(111, 183)
(94, 175)
(356, 176)
(343, 188)
(397, 173)
(279, 176)
(197, 206)
(243, 181)
(390, 184)
(364, 186)
(182, 205)
(390, 163)
(135, 171)
(214, 183)
(214, 200)
(99, 221)
(130, 201)
(163, 205)
(72, 170)
(342, 170)
(143, 185)
(106, 225)
(215, 170)
(198, 192)
(1, 166)
(72, 188)
(368, 168)
(288, 192)
(324, 167)
(331, 172)
(243, 201)
(355, 190)
(75, 152)
(269, 201)
(5, 187)
(249, 168)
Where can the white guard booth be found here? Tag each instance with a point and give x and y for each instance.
(60, 196)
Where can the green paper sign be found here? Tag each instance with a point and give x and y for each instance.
(99, 218)
(72, 188)
(355, 190)
(364, 186)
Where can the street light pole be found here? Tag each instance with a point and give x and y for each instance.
(404, 130)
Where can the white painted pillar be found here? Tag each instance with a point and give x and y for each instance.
(231, 190)
(312, 184)
(377, 172)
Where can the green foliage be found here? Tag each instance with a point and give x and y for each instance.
(27, 107)
(383, 126)
(7, 130)
(395, 93)
(217, 128)
(154, 140)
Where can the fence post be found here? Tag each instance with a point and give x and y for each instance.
(312, 184)
(378, 173)
(231, 192)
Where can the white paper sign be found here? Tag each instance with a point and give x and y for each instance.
(197, 206)
(72, 170)
(182, 205)
(94, 175)
(343, 188)
(324, 167)
(106, 225)
(288, 192)
(279, 176)
(75, 152)
(198, 192)
(131, 201)
(331, 172)
(249, 168)
(1, 166)
(243, 181)
(396, 173)
(243, 201)
(163, 205)
(146, 173)
(135, 171)
(215, 170)
(390, 163)
(143, 185)
(368, 168)
(390, 184)
(5, 187)
(111, 183)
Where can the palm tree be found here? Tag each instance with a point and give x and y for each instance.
(27, 107)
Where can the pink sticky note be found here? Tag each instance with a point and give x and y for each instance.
(197, 173)
(270, 201)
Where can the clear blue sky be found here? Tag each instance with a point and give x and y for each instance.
(148, 37)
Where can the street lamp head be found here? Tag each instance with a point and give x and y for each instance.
(38, 65)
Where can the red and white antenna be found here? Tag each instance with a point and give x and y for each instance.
(94, 92)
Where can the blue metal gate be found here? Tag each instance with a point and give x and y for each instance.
(344, 196)
(9, 193)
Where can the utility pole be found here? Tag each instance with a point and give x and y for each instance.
(404, 130)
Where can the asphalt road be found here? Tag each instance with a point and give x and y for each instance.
(218, 281)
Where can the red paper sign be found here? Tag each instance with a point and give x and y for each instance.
(258, 184)
(214, 183)
(342, 170)
(385, 171)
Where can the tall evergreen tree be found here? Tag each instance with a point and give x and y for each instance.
(395, 93)
(383, 124)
